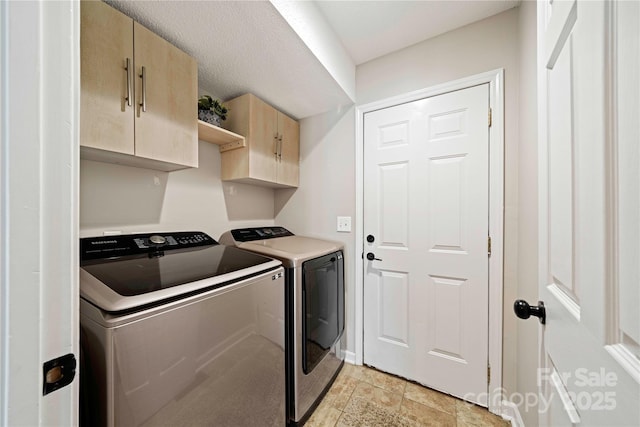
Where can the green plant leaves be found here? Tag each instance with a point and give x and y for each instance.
(205, 102)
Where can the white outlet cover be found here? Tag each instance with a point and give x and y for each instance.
(344, 224)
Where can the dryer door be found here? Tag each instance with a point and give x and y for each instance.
(323, 307)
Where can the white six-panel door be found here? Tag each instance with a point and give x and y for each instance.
(589, 212)
(426, 192)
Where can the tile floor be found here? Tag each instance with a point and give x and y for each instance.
(362, 396)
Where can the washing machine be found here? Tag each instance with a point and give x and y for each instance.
(177, 329)
(314, 309)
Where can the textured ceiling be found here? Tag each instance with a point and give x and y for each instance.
(247, 46)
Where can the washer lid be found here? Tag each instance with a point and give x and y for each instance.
(128, 282)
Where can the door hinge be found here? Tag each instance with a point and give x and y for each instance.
(490, 121)
(488, 374)
(489, 245)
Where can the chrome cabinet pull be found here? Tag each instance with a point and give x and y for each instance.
(143, 76)
(128, 68)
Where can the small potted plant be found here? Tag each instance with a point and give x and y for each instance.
(211, 110)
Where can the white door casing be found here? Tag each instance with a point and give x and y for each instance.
(426, 202)
(40, 60)
(589, 212)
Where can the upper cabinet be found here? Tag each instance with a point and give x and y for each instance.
(271, 155)
(138, 94)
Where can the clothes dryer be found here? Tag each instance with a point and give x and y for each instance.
(314, 309)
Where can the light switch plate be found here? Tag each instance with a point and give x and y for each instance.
(344, 224)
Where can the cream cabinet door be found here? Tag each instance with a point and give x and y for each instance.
(166, 80)
(263, 142)
(106, 44)
(289, 151)
(271, 157)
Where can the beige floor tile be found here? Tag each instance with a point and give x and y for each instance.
(383, 380)
(431, 398)
(340, 392)
(354, 371)
(362, 396)
(367, 393)
(426, 415)
(324, 416)
(365, 413)
(468, 414)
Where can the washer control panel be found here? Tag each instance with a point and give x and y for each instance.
(133, 244)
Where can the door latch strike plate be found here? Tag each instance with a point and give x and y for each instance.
(58, 373)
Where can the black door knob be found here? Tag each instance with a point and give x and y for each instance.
(371, 256)
(370, 238)
(523, 310)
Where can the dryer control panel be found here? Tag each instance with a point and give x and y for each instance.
(259, 233)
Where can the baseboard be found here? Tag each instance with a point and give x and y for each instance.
(349, 357)
(511, 412)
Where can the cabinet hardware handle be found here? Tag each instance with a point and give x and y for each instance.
(128, 68)
(143, 76)
(280, 147)
(275, 138)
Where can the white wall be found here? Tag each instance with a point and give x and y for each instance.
(527, 331)
(327, 178)
(327, 144)
(127, 199)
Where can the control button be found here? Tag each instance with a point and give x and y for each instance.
(140, 243)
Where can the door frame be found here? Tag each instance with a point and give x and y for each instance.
(39, 170)
(495, 79)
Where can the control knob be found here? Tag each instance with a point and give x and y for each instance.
(157, 239)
